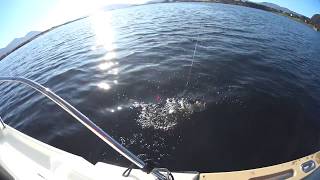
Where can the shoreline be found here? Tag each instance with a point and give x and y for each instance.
(38, 35)
(302, 19)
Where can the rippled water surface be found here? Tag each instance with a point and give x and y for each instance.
(248, 96)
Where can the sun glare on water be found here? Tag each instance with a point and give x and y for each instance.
(101, 24)
(67, 10)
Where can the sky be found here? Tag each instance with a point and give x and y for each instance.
(18, 17)
(304, 7)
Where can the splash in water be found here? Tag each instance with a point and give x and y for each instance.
(166, 115)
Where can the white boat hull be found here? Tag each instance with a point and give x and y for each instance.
(26, 158)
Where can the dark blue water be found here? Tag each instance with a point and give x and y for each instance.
(249, 96)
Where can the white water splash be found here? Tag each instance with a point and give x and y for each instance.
(167, 114)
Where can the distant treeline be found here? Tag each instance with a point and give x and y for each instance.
(295, 16)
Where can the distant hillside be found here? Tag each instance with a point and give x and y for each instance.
(283, 9)
(316, 21)
(263, 6)
(116, 6)
(120, 6)
(2, 51)
(17, 42)
(313, 22)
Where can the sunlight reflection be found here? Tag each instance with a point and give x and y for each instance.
(107, 65)
(104, 86)
(109, 56)
(104, 34)
(114, 71)
(101, 23)
(115, 109)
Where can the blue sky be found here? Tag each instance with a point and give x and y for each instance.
(304, 7)
(18, 17)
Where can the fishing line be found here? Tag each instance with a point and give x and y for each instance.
(192, 62)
